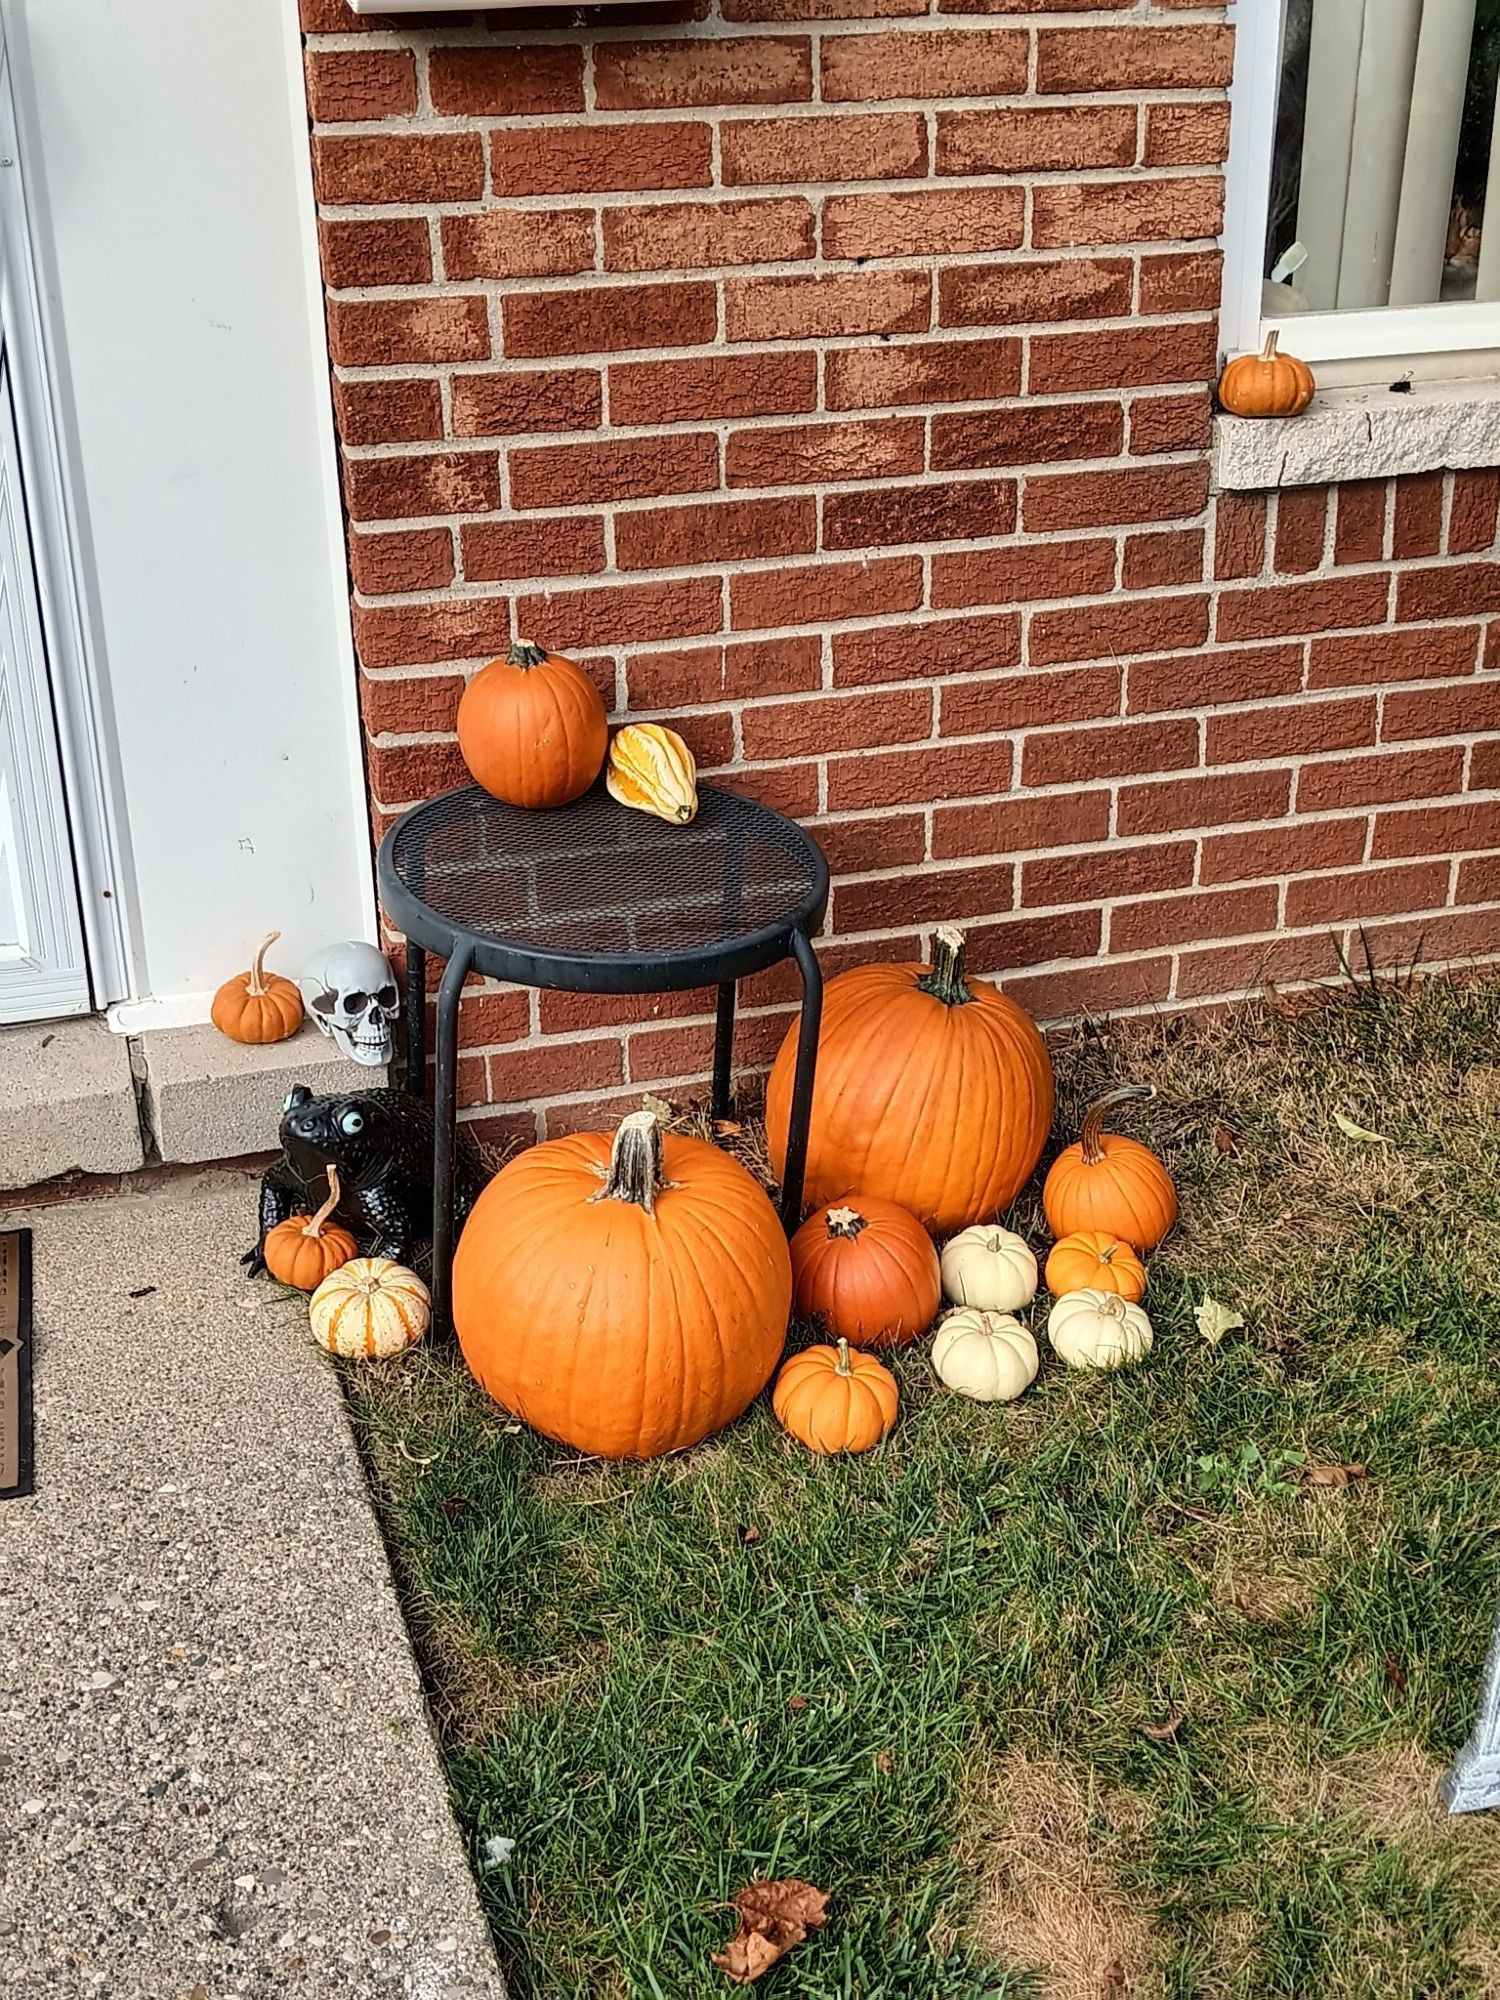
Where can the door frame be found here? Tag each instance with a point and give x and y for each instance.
(80, 704)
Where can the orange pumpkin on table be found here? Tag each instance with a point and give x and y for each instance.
(1109, 1182)
(257, 1006)
(532, 728)
(305, 1249)
(868, 1271)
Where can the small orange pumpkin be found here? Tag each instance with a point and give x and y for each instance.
(532, 728)
(1268, 384)
(258, 1006)
(1110, 1183)
(1093, 1260)
(305, 1249)
(833, 1400)
(868, 1270)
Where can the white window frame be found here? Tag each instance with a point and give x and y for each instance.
(1385, 335)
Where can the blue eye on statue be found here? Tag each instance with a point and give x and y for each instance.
(352, 1122)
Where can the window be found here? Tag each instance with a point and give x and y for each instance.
(1364, 166)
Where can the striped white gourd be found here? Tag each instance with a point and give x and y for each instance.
(370, 1308)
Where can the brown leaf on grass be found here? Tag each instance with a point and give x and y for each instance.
(885, 1763)
(1394, 1673)
(796, 1703)
(1335, 1476)
(749, 1533)
(774, 1916)
(727, 1128)
(1162, 1732)
(1226, 1142)
(452, 1507)
(1114, 1981)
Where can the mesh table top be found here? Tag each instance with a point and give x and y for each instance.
(596, 896)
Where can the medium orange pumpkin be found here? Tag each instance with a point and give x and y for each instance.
(833, 1400)
(933, 1090)
(1109, 1182)
(868, 1270)
(626, 1297)
(257, 1006)
(532, 728)
(1093, 1260)
(1268, 384)
(305, 1249)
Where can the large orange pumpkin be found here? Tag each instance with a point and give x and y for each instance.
(868, 1271)
(532, 728)
(1109, 1182)
(933, 1090)
(628, 1297)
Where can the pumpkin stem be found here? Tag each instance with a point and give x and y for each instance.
(845, 1222)
(945, 981)
(1268, 352)
(313, 1227)
(635, 1172)
(1093, 1119)
(843, 1368)
(255, 985)
(525, 655)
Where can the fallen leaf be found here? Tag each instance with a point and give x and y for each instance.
(1115, 1981)
(1162, 1732)
(1394, 1673)
(774, 1916)
(797, 1703)
(452, 1507)
(1215, 1319)
(727, 1128)
(885, 1763)
(1352, 1131)
(1226, 1142)
(1336, 1476)
(749, 1533)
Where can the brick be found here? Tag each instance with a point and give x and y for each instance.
(1363, 657)
(1206, 913)
(937, 371)
(575, 1013)
(348, 85)
(1027, 701)
(1120, 59)
(1115, 631)
(695, 236)
(515, 80)
(600, 159)
(925, 222)
(1484, 768)
(1105, 499)
(790, 788)
(725, 531)
(1387, 777)
(1434, 940)
(1029, 434)
(1186, 281)
(439, 482)
(654, 1054)
(1031, 141)
(1299, 848)
(815, 728)
(410, 635)
(1211, 678)
(1417, 516)
(1119, 870)
(931, 511)
(382, 565)
(608, 319)
(816, 594)
(407, 167)
(1120, 750)
(519, 1075)
(1239, 535)
(1359, 526)
(579, 475)
(327, 17)
(1067, 216)
(716, 387)
(747, 69)
(1090, 989)
(737, 672)
(395, 251)
(1472, 512)
(1019, 826)
(887, 146)
(710, 737)
(518, 243)
(1446, 829)
(685, 609)
(817, 10)
(1240, 968)
(1457, 590)
(1290, 729)
(1301, 526)
(593, 1114)
(930, 650)
(394, 705)
(1125, 358)
(1301, 607)
(1187, 135)
(1478, 882)
(933, 896)
(925, 62)
(1171, 423)
(1024, 573)
(1037, 292)
(560, 545)
(807, 454)
(1469, 709)
(881, 779)
(375, 333)
(1373, 892)
(1158, 562)
(489, 1018)
(797, 308)
(519, 401)
(1218, 798)
(878, 840)
(407, 411)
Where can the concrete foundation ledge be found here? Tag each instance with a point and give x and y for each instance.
(207, 1098)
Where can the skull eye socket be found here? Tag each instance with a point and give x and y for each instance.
(386, 997)
(356, 1000)
(352, 1122)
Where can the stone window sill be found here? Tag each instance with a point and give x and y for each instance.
(1362, 434)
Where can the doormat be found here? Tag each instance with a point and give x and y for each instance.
(16, 1434)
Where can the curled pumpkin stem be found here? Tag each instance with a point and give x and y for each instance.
(845, 1222)
(946, 981)
(635, 1169)
(313, 1227)
(1093, 1119)
(255, 985)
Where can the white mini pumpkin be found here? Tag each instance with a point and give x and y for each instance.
(1094, 1329)
(989, 1356)
(989, 1267)
(371, 1307)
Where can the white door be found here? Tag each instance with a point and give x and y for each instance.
(43, 971)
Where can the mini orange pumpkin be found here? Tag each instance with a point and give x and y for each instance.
(868, 1270)
(1093, 1260)
(1268, 384)
(833, 1400)
(1110, 1183)
(258, 1006)
(532, 728)
(305, 1249)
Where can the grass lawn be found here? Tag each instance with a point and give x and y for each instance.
(1091, 1695)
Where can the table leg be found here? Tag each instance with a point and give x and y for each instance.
(800, 1116)
(416, 1020)
(723, 1101)
(445, 1121)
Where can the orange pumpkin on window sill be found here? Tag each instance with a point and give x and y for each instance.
(1268, 384)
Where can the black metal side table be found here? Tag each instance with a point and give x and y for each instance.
(596, 898)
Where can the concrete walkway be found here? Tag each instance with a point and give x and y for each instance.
(217, 1776)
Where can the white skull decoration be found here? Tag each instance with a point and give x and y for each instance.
(351, 993)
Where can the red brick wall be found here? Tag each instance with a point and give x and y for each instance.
(836, 388)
